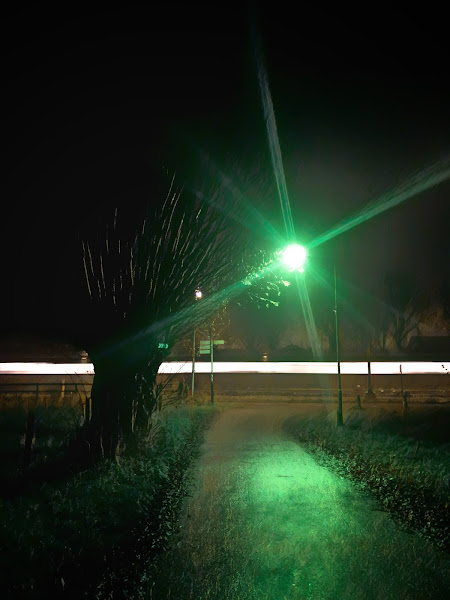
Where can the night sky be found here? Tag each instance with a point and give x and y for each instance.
(96, 105)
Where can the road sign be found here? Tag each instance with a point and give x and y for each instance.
(205, 345)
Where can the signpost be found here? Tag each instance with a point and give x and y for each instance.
(207, 347)
(193, 366)
(198, 296)
(212, 361)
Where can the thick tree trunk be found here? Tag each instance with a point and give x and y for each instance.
(104, 424)
(122, 399)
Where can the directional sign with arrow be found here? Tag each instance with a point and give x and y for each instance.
(205, 345)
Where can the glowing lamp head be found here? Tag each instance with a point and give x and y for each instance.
(294, 257)
(198, 294)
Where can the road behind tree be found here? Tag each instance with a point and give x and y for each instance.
(266, 522)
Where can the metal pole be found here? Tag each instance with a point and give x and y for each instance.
(339, 410)
(369, 379)
(212, 364)
(193, 365)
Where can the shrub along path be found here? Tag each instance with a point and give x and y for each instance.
(266, 521)
(94, 534)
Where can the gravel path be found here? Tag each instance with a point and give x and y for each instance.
(265, 521)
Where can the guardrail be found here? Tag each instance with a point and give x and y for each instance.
(42, 392)
(35, 382)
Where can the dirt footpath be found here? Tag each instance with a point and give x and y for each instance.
(265, 521)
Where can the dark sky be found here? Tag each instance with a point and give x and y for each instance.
(96, 103)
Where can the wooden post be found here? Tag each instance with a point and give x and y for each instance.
(405, 405)
(83, 404)
(29, 435)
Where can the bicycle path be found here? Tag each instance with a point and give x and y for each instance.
(265, 521)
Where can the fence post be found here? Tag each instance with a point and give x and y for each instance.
(370, 394)
(29, 435)
(405, 405)
(83, 403)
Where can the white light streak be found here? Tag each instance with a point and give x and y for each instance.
(319, 368)
(24, 368)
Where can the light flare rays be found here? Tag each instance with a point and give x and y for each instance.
(309, 317)
(251, 217)
(414, 185)
(274, 144)
(195, 313)
(277, 163)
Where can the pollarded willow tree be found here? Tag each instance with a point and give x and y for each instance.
(142, 282)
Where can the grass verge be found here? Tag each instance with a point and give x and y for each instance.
(403, 468)
(99, 530)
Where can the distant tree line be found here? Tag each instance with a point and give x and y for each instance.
(370, 324)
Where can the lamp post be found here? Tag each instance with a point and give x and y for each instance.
(198, 296)
(338, 358)
(294, 258)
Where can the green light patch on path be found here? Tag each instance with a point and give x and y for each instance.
(265, 521)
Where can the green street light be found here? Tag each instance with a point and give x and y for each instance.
(294, 257)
